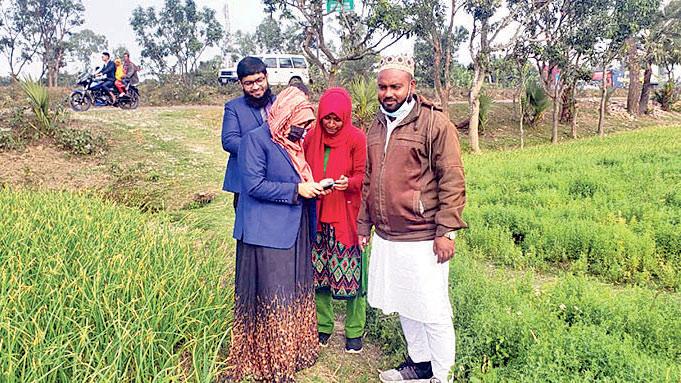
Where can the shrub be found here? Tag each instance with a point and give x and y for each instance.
(365, 101)
(48, 119)
(667, 96)
(174, 91)
(79, 142)
(535, 103)
(486, 103)
(39, 100)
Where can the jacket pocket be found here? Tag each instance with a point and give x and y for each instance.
(418, 207)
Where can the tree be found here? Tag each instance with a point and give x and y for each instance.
(377, 25)
(440, 40)
(179, 30)
(636, 16)
(54, 21)
(244, 43)
(484, 40)
(518, 56)
(118, 52)
(20, 40)
(269, 36)
(661, 44)
(83, 44)
(57, 20)
(568, 31)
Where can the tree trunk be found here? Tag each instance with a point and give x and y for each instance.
(447, 85)
(51, 76)
(601, 110)
(522, 113)
(437, 65)
(634, 95)
(474, 109)
(645, 92)
(568, 104)
(573, 123)
(333, 72)
(557, 95)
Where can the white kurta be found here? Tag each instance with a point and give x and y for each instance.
(405, 278)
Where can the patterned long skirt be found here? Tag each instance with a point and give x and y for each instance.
(336, 266)
(275, 326)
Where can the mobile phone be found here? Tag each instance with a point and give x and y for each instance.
(327, 183)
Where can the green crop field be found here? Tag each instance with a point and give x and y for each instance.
(92, 292)
(570, 269)
(609, 208)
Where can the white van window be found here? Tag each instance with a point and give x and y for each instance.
(285, 63)
(270, 62)
(299, 62)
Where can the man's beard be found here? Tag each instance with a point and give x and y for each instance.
(259, 102)
(397, 106)
(394, 108)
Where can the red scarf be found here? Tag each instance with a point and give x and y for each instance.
(340, 208)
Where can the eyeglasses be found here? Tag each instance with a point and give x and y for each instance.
(259, 81)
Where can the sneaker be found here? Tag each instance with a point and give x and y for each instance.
(408, 372)
(324, 339)
(353, 345)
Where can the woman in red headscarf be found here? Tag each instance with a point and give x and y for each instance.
(335, 149)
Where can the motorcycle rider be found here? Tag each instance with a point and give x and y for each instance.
(130, 70)
(108, 71)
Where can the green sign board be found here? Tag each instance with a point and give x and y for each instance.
(340, 5)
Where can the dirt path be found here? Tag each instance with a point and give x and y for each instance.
(336, 366)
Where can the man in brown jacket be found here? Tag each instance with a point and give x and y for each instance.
(413, 196)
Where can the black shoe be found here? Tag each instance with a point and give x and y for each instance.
(353, 345)
(408, 371)
(324, 339)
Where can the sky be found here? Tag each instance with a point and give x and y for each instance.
(111, 19)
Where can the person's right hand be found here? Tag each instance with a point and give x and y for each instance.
(310, 189)
(363, 242)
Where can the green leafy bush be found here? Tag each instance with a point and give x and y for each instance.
(486, 103)
(535, 103)
(46, 119)
(668, 95)
(575, 330)
(364, 100)
(79, 142)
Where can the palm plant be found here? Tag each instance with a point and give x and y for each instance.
(535, 103)
(40, 104)
(364, 100)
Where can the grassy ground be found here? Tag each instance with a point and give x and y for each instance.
(531, 317)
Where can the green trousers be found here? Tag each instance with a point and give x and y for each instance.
(355, 314)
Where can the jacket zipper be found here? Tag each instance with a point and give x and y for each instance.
(380, 175)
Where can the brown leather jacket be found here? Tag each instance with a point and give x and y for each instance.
(415, 190)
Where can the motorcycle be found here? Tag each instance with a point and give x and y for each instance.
(91, 94)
